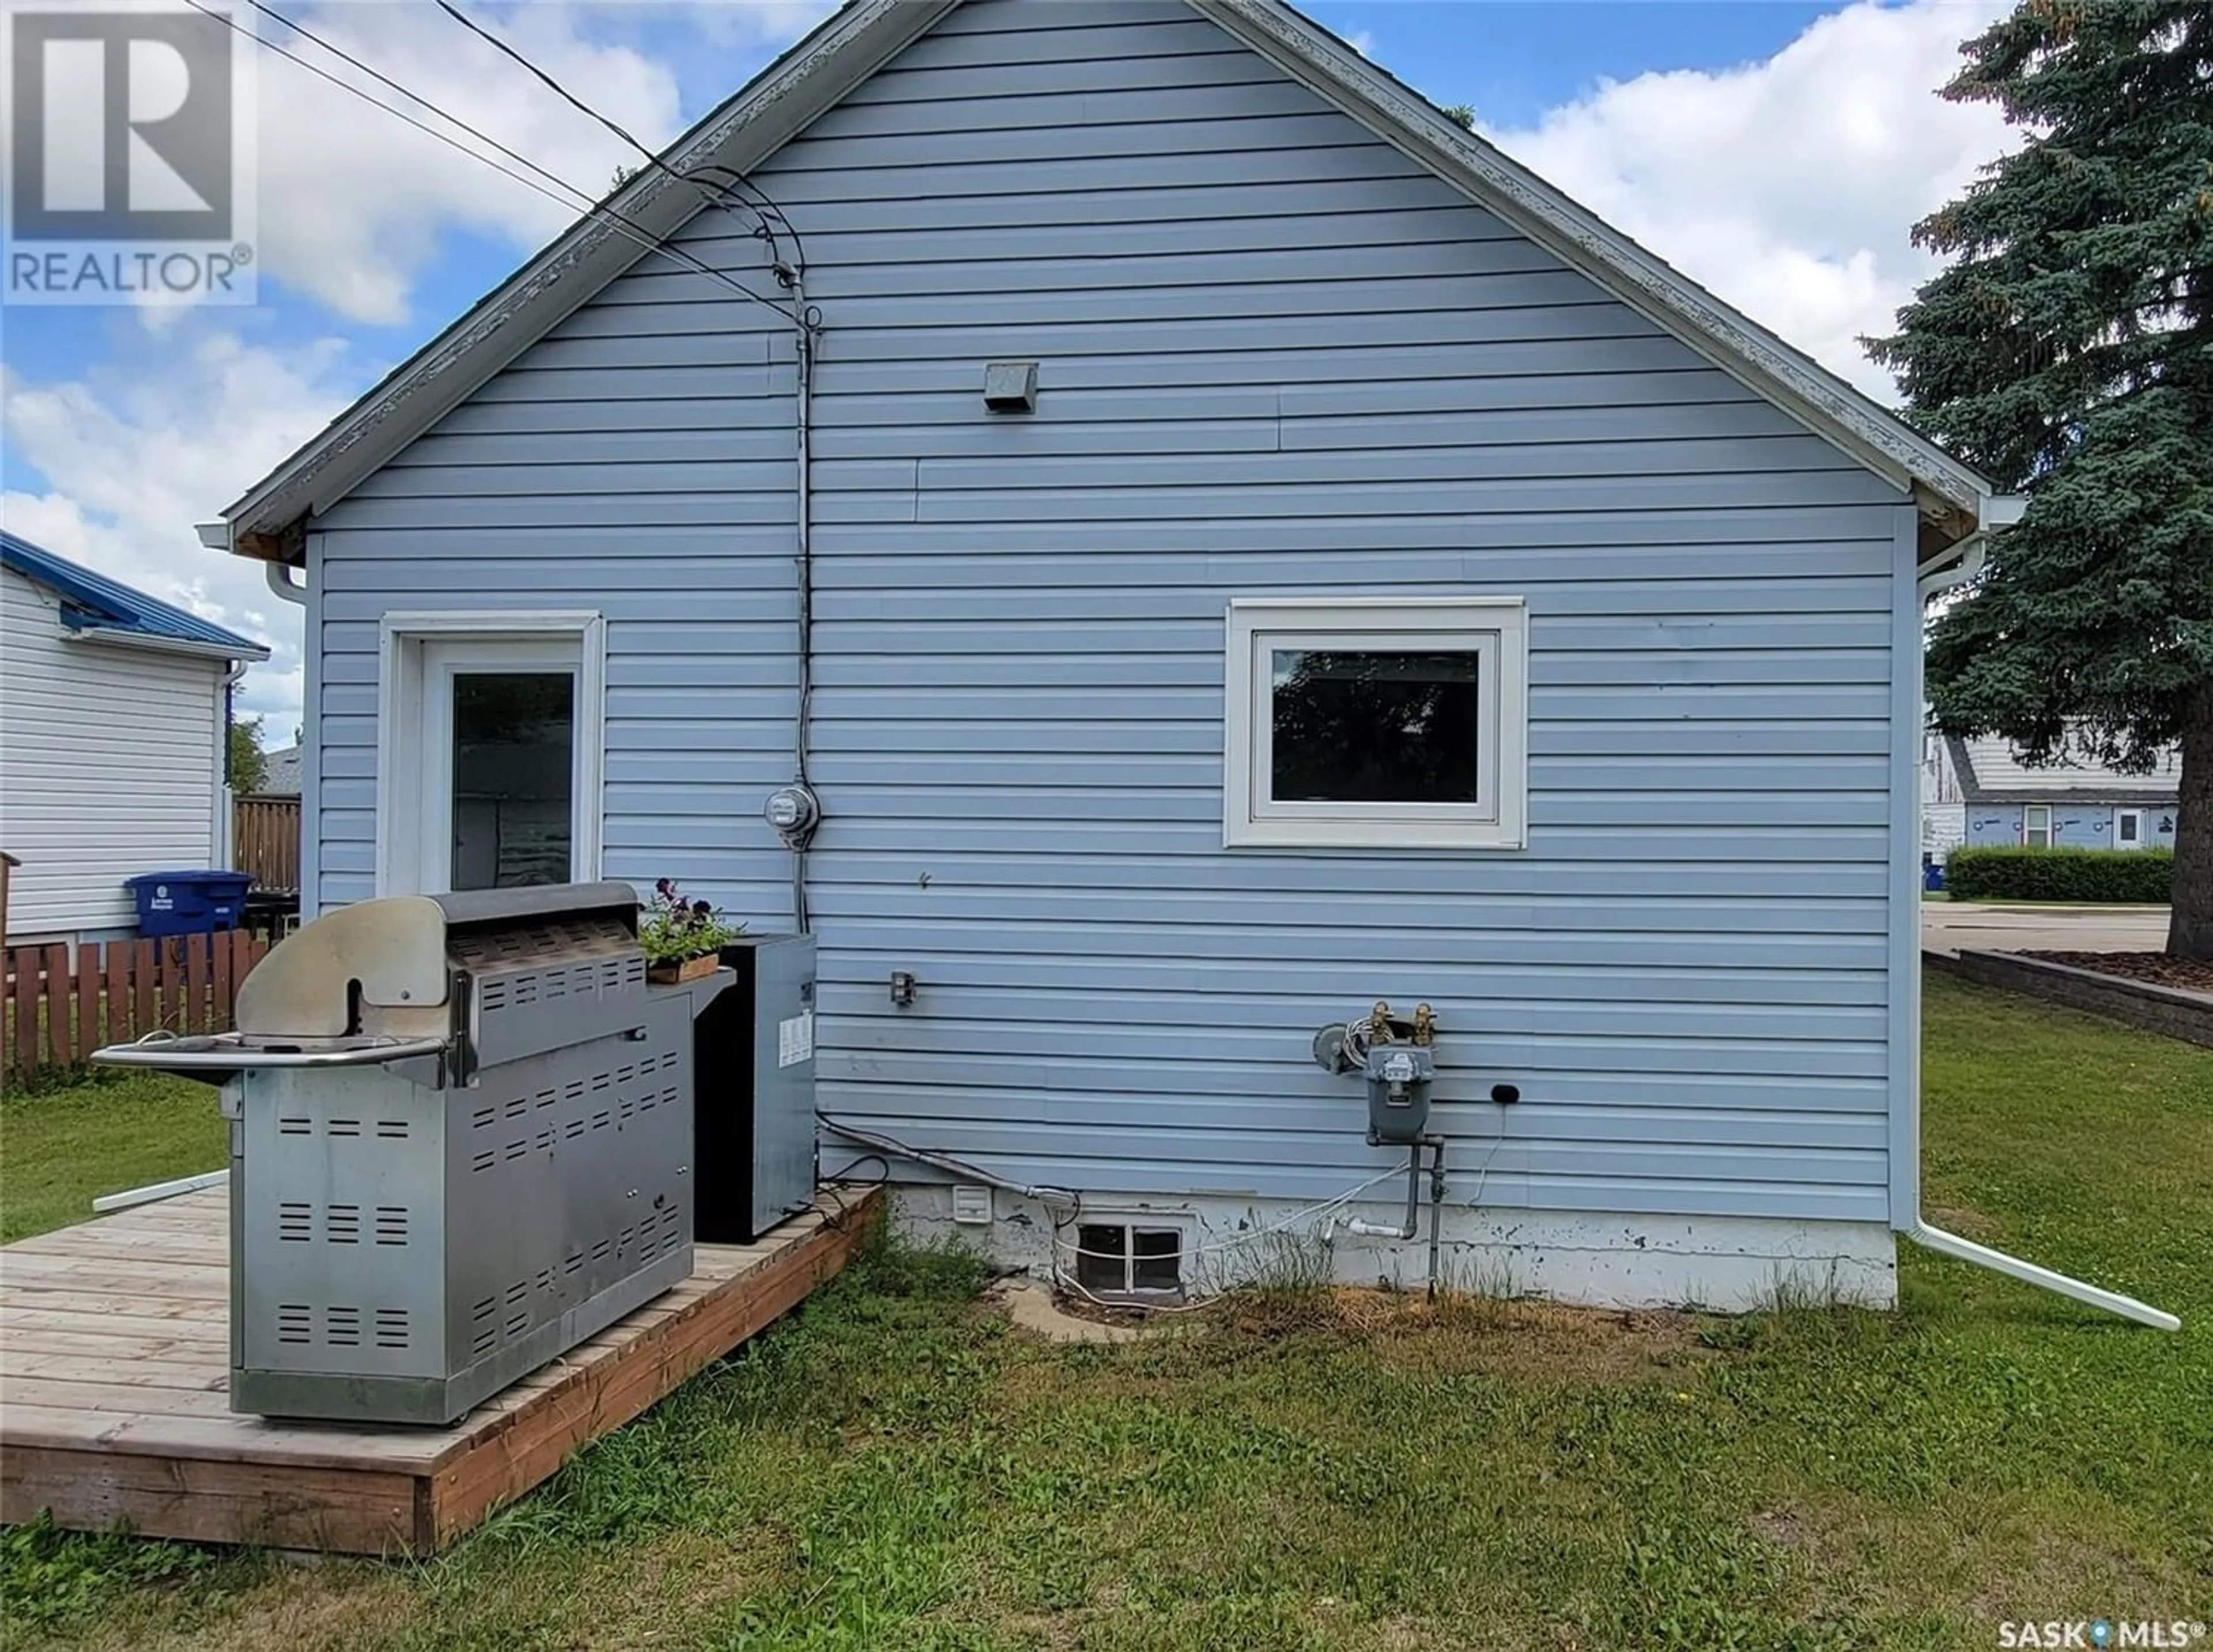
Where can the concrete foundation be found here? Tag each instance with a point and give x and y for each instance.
(1732, 1263)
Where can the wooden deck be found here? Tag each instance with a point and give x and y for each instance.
(115, 1363)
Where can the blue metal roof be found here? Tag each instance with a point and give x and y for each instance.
(94, 602)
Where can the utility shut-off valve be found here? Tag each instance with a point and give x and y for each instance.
(1398, 1060)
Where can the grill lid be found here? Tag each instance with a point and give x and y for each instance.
(394, 949)
(381, 968)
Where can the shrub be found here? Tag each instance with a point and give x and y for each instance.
(2118, 876)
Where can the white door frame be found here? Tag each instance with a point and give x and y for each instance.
(2141, 839)
(405, 663)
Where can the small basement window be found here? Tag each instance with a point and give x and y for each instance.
(1376, 723)
(1114, 1259)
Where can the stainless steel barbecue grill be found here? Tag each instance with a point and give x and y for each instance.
(461, 1145)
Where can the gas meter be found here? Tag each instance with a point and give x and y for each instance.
(1398, 1080)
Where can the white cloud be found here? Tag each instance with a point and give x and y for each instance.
(132, 467)
(1787, 187)
(728, 24)
(354, 205)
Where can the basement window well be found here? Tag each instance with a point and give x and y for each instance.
(1115, 1260)
(1376, 722)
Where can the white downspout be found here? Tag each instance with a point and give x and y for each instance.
(2001, 512)
(1946, 1244)
(221, 834)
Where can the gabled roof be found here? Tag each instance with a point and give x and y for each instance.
(1990, 771)
(280, 773)
(850, 45)
(105, 610)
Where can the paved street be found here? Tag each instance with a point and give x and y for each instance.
(1947, 926)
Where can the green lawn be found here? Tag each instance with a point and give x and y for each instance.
(62, 1147)
(898, 1468)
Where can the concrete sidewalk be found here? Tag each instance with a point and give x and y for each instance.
(1949, 926)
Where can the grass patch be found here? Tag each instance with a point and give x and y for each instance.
(62, 1144)
(897, 1467)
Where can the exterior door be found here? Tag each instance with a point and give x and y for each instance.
(501, 780)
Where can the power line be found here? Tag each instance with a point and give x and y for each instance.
(652, 159)
(642, 237)
(559, 90)
(340, 53)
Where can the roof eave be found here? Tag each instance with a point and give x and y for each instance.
(2121, 796)
(118, 637)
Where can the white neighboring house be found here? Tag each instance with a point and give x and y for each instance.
(1943, 810)
(112, 711)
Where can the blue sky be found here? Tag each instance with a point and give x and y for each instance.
(1779, 152)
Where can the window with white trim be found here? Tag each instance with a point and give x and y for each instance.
(489, 747)
(2128, 827)
(1376, 722)
(2036, 825)
(1118, 1261)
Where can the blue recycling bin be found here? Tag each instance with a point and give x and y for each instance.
(188, 902)
(1932, 877)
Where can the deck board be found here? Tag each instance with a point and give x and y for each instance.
(115, 1379)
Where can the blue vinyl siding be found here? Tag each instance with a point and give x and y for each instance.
(1276, 357)
(2074, 826)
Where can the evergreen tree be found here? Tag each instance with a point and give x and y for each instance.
(2067, 351)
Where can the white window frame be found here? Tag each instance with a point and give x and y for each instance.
(2051, 826)
(1495, 628)
(1132, 1225)
(403, 806)
(2135, 814)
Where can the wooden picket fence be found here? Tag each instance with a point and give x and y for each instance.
(59, 1011)
(264, 840)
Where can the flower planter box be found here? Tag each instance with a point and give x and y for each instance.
(688, 969)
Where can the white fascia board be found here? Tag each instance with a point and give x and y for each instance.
(131, 639)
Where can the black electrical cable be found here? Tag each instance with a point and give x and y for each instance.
(764, 205)
(652, 159)
(636, 233)
(876, 1159)
(565, 94)
(412, 97)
